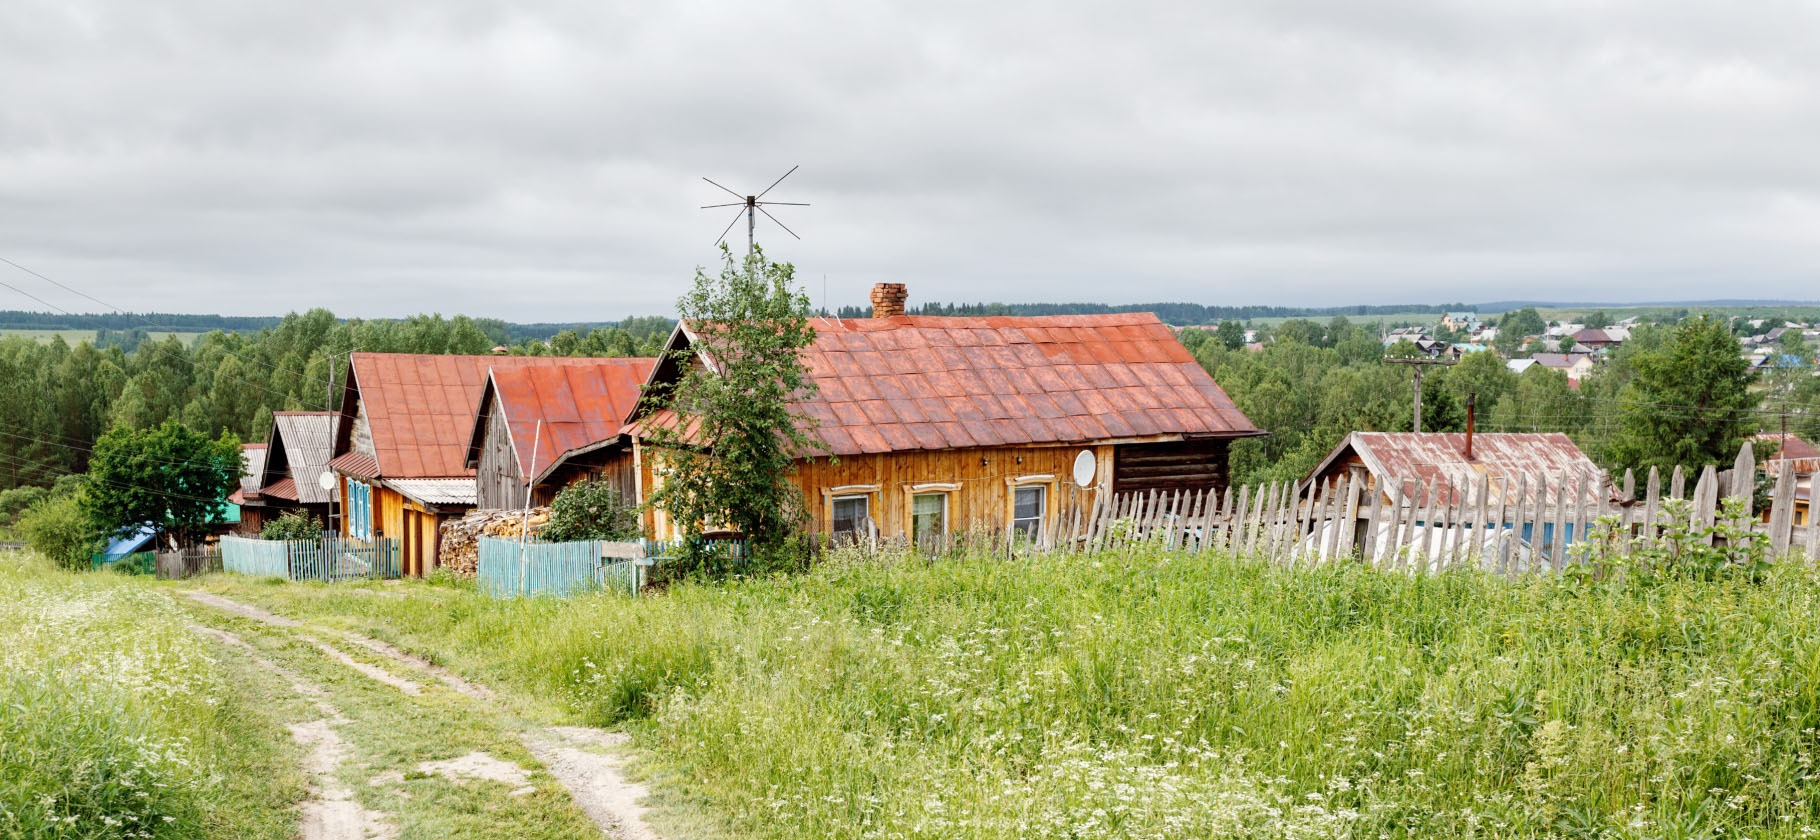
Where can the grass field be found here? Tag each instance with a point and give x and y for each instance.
(1158, 696)
(74, 336)
(116, 722)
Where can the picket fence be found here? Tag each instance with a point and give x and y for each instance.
(510, 567)
(1506, 524)
(326, 559)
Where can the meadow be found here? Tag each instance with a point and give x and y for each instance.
(115, 721)
(1151, 695)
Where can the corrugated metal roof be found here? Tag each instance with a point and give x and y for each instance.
(303, 441)
(577, 405)
(918, 382)
(1438, 460)
(420, 408)
(437, 491)
(252, 459)
(1791, 453)
(355, 464)
(284, 488)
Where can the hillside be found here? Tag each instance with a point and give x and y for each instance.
(1149, 695)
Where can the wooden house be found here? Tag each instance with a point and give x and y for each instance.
(401, 443)
(252, 473)
(939, 424)
(1451, 464)
(544, 428)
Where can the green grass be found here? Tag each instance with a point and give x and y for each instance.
(115, 721)
(74, 336)
(1150, 695)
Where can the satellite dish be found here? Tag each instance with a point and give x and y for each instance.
(1084, 465)
(326, 480)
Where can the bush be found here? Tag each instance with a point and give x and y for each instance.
(14, 502)
(591, 510)
(61, 530)
(295, 525)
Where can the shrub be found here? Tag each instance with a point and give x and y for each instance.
(1728, 549)
(15, 502)
(295, 525)
(60, 529)
(591, 510)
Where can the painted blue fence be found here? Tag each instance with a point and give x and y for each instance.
(328, 559)
(509, 568)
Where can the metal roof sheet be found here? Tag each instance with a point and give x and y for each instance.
(420, 407)
(1438, 461)
(355, 464)
(437, 491)
(559, 410)
(252, 459)
(284, 488)
(924, 382)
(303, 440)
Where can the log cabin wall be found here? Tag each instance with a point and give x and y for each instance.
(1182, 465)
(977, 483)
(613, 465)
(500, 482)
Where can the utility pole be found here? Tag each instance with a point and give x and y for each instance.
(1419, 364)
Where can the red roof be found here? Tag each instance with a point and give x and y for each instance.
(923, 382)
(420, 407)
(1438, 461)
(355, 464)
(283, 488)
(577, 406)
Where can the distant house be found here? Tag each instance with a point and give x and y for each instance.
(1517, 366)
(1461, 321)
(1410, 334)
(1798, 456)
(252, 509)
(1394, 464)
(297, 451)
(401, 444)
(1781, 361)
(544, 428)
(1595, 339)
(1577, 366)
(997, 423)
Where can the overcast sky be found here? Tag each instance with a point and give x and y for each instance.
(542, 160)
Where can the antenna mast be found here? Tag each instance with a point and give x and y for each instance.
(750, 206)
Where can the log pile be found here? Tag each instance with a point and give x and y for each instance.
(461, 537)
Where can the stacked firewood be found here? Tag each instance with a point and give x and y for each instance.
(461, 537)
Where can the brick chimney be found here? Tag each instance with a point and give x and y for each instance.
(888, 299)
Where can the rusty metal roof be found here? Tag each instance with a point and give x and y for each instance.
(355, 464)
(299, 450)
(560, 410)
(283, 488)
(1438, 461)
(1791, 453)
(420, 407)
(922, 382)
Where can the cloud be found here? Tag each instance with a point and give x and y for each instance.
(541, 161)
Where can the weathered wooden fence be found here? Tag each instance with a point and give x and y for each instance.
(1503, 524)
(327, 559)
(187, 563)
(509, 567)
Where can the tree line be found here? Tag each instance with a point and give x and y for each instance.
(1177, 314)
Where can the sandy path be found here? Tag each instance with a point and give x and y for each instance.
(573, 754)
(331, 813)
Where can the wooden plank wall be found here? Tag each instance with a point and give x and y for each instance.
(1182, 465)
(499, 480)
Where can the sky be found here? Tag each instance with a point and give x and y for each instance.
(542, 161)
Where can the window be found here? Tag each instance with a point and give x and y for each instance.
(852, 517)
(928, 519)
(360, 511)
(1027, 504)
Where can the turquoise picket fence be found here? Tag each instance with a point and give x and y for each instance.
(328, 559)
(132, 563)
(509, 568)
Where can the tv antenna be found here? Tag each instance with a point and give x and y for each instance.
(750, 207)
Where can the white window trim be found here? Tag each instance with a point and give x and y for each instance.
(944, 489)
(1045, 481)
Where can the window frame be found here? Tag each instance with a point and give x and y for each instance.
(1046, 483)
(869, 492)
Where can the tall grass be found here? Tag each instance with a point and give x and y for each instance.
(1147, 695)
(114, 720)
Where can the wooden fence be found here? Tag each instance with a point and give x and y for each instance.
(1504, 524)
(327, 559)
(187, 563)
(509, 567)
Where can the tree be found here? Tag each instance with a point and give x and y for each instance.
(295, 525)
(1687, 403)
(1232, 334)
(591, 510)
(171, 476)
(1515, 326)
(1599, 319)
(730, 461)
(61, 529)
